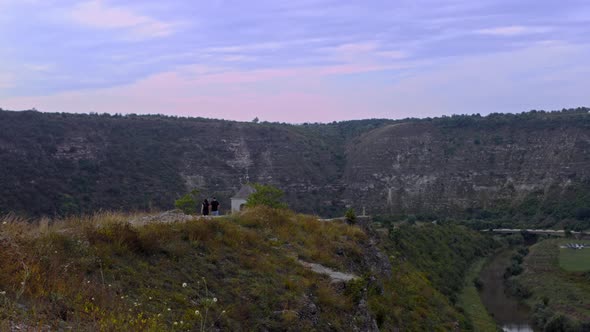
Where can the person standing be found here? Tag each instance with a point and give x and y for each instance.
(215, 207)
(205, 207)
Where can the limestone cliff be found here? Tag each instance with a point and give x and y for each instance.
(435, 166)
(66, 163)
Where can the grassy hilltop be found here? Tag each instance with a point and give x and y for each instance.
(236, 273)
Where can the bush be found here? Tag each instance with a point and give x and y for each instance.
(558, 323)
(266, 195)
(518, 290)
(523, 251)
(188, 203)
(517, 258)
(513, 270)
(350, 215)
(541, 314)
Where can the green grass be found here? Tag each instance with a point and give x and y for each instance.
(574, 260)
(470, 301)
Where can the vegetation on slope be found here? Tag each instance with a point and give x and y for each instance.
(559, 299)
(470, 300)
(555, 208)
(443, 252)
(236, 273)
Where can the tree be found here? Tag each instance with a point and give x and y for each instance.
(256, 120)
(350, 216)
(266, 195)
(188, 203)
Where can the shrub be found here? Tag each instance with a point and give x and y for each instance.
(558, 323)
(513, 270)
(517, 258)
(188, 203)
(350, 215)
(266, 195)
(518, 290)
(541, 314)
(523, 251)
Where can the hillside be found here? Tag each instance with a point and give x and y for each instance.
(247, 272)
(565, 304)
(532, 167)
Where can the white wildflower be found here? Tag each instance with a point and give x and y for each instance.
(197, 312)
(214, 299)
(3, 293)
(184, 284)
(169, 309)
(175, 323)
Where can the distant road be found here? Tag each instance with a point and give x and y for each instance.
(533, 231)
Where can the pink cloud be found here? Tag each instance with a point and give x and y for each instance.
(98, 14)
(513, 30)
(282, 94)
(298, 100)
(207, 75)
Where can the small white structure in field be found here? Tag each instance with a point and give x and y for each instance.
(239, 199)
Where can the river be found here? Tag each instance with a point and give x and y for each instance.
(511, 315)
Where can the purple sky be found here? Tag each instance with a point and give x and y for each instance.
(294, 61)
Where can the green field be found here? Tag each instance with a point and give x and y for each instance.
(471, 303)
(574, 260)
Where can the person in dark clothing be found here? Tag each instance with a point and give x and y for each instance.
(205, 207)
(215, 207)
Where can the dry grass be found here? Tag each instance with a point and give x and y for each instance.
(100, 272)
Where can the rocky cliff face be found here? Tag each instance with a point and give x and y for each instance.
(428, 166)
(63, 163)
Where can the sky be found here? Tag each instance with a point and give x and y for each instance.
(294, 61)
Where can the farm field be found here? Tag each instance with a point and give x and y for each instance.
(574, 260)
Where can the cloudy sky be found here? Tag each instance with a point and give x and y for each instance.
(294, 61)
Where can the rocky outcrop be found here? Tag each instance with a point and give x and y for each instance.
(336, 276)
